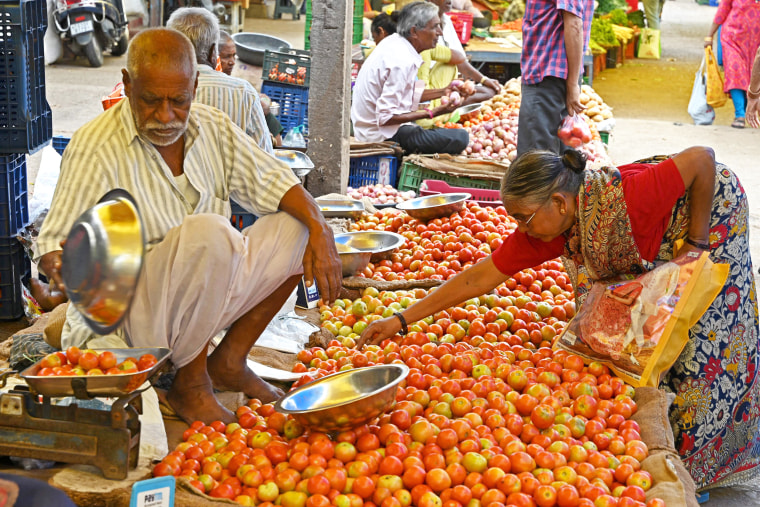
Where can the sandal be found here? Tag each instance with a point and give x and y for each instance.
(738, 123)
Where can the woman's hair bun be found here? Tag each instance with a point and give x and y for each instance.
(574, 160)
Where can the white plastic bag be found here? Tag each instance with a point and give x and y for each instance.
(699, 110)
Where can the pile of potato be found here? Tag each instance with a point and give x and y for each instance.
(596, 109)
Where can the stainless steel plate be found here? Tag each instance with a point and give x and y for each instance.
(341, 208)
(299, 162)
(346, 399)
(102, 260)
(97, 385)
(434, 206)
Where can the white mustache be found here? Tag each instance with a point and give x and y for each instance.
(173, 125)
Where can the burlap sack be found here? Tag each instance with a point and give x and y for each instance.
(672, 481)
(187, 496)
(273, 358)
(460, 166)
(54, 328)
(358, 282)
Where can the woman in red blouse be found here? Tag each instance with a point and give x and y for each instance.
(614, 221)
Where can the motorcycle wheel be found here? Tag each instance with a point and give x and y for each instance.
(94, 53)
(121, 45)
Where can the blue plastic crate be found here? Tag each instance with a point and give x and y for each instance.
(26, 122)
(60, 143)
(14, 207)
(294, 103)
(240, 217)
(371, 170)
(15, 270)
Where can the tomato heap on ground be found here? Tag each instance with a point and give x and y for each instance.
(489, 415)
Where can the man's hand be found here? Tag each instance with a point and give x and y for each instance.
(573, 99)
(321, 263)
(50, 264)
(492, 84)
(379, 331)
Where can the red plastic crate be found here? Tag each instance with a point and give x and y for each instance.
(462, 22)
(483, 197)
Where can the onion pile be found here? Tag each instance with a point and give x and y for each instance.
(380, 194)
(496, 138)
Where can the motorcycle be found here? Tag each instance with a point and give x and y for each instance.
(90, 27)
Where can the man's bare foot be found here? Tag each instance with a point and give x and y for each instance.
(197, 403)
(239, 378)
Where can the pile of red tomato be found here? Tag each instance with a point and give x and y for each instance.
(489, 415)
(76, 362)
(440, 248)
(474, 426)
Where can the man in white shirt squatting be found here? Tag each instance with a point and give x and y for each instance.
(236, 97)
(387, 93)
(183, 162)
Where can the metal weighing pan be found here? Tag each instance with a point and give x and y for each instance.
(299, 162)
(341, 208)
(96, 385)
(250, 46)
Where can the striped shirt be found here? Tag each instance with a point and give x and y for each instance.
(543, 52)
(221, 162)
(236, 97)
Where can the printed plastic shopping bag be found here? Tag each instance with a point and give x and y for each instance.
(638, 326)
(649, 44)
(699, 110)
(716, 97)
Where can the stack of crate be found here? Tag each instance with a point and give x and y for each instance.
(25, 126)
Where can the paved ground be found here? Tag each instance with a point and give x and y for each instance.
(649, 97)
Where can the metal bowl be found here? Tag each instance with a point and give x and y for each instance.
(102, 260)
(346, 399)
(378, 243)
(434, 206)
(469, 112)
(250, 46)
(341, 208)
(351, 259)
(299, 162)
(96, 385)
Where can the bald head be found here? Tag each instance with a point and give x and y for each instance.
(161, 48)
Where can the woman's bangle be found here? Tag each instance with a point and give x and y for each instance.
(429, 111)
(404, 327)
(702, 245)
(753, 95)
(483, 79)
(708, 39)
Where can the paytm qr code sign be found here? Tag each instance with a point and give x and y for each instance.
(384, 171)
(157, 492)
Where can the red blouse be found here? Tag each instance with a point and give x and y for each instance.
(650, 191)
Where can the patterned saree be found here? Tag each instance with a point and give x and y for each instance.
(716, 412)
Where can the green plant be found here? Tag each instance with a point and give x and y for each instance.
(602, 33)
(618, 17)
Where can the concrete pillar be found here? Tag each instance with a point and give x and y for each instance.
(330, 95)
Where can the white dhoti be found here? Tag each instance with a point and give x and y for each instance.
(205, 275)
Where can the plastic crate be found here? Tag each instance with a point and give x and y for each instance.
(412, 176)
(482, 196)
(294, 103)
(26, 122)
(60, 143)
(372, 170)
(15, 270)
(462, 22)
(240, 217)
(14, 207)
(292, 67)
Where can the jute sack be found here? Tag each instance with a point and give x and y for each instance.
(54, 326)
(672, 481)
(460, 166)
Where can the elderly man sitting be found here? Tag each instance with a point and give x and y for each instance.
(183, 162)
(387, 94)
(236, 97)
